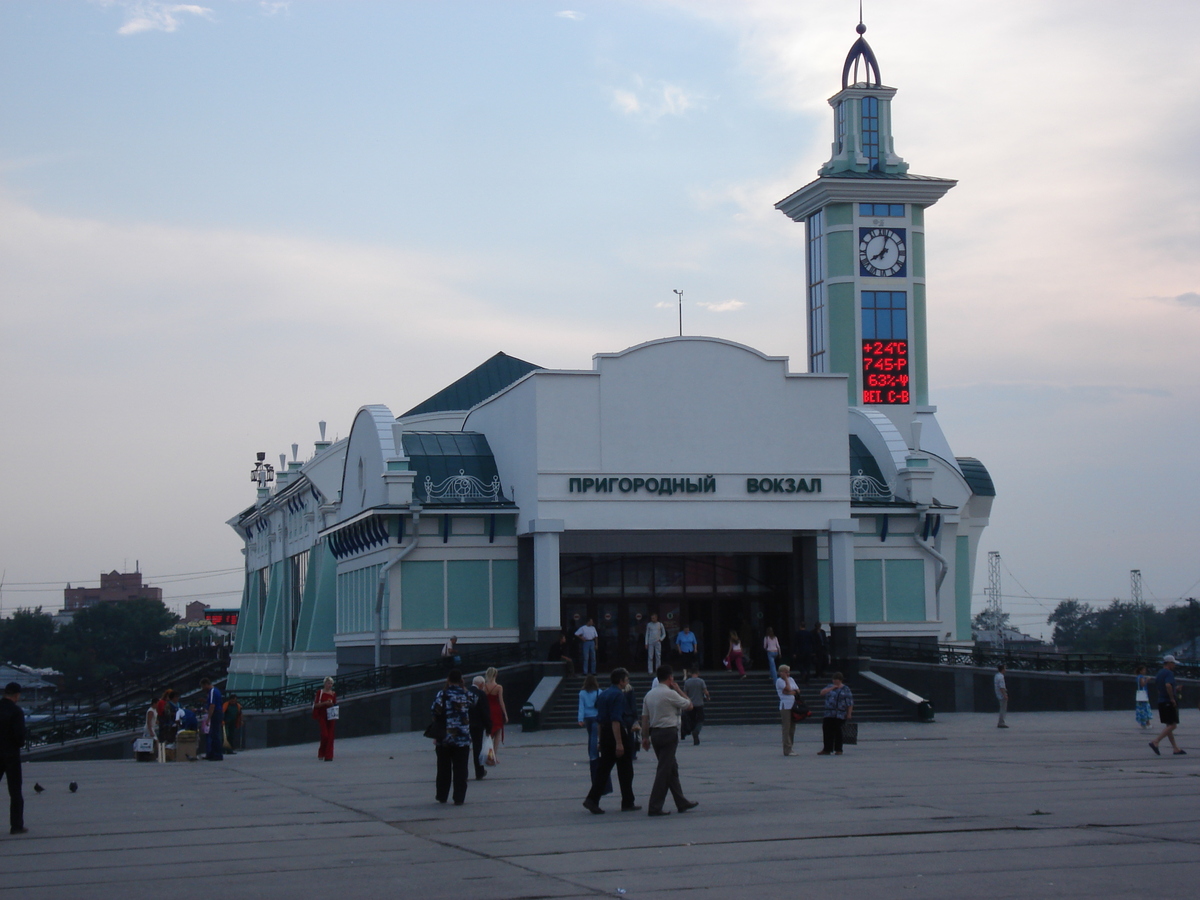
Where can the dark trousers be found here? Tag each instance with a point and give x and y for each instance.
(476, 746)
(452, 762)
(215, 750)
(10, 768)
(665, 742)
(831, 732)
(602, 774)
(688, 660)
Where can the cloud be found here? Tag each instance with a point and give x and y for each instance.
(653, 101)
(1191, 298)
(152, 15)
(727, 306)
(570, 14)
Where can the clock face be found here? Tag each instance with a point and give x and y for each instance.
(881, 252)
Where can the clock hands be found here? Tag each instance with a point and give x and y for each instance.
(882, 253)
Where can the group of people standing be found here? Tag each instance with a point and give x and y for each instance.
(468, 725)
(216, 719)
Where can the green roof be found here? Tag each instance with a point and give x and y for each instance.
(476, 386)
(977, 476)
(458, 465)
(861, 460)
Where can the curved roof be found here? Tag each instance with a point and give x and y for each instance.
(977, 476)
(476, 386)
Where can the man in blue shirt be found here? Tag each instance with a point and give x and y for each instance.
(215, 716)
(1168, 706)
(685, 643)
(616, 744)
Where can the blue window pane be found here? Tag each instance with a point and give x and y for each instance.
(896, 209)
(865, 209)
(868, 326)
(899, 324)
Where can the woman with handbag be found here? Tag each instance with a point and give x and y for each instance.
(1141, 698)
(787, 689)
(323, 702)
(839, 707)
(495, 696)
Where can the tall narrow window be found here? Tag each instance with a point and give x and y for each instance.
(816, 294)
(298, 570)
(840, 114)
(870, 130)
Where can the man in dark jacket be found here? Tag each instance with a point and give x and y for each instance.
(12, 739)
(481, 723)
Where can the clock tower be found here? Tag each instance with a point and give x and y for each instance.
(864, 219)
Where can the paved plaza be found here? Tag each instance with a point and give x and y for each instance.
(1060, 804)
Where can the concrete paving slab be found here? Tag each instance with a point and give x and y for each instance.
(1072, 804)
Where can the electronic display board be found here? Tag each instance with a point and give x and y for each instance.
(885, 372)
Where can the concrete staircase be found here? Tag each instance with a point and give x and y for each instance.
(735, 701)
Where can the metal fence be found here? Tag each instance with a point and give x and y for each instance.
(385, 678)
(909, 650)
(60, 729)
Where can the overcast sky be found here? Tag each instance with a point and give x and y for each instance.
(223, 222)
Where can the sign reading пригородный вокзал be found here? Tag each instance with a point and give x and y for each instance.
(688, 485)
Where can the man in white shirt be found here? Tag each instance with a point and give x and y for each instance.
(660, 728)
(1001, 694)
(656, 633)
(587, 635)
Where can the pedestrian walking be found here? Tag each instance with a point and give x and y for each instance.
(616, 744)
(213, 718)
(1168, 706)
(587, 635)
(1141, 698)
(839, 708)
(481, 724)
(661, 711)
(1001, 690)
(820, 649)
(12, 739)
(496, 709)
(771, 647)
(587, 719)
(735, 659)
(787, 690)
(453, 704)
(697, 692)
(656, 633)
(324, 700)
(688, 646)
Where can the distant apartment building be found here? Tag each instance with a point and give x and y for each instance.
(115, 587)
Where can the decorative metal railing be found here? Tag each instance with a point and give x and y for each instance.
(909, 650)
(62, 728)
(462, 488)
(385, 678)
(865, 487)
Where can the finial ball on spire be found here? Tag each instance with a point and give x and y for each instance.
(860, 28)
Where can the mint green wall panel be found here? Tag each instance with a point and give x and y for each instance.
(304, 622)
(467, 588)
(917, 258)
(322, 584)
(843, 335)
(504, 593)
(422, 595)
(270, 639)
(506, 526)
(905, 590)
(920, 347)
(962, 587)
(822, 591)
(839, 255)
(918, 215)
(247, 633)
(839, 214)
(868, 590)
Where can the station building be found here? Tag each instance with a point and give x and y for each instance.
(691, 477)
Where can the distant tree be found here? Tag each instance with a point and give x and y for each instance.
(106, 638)
(987, 620)
(1073, 623)
(25, 635)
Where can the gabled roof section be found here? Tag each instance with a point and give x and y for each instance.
(977, 476)
(476, 386)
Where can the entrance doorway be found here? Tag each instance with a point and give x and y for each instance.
(713, 594)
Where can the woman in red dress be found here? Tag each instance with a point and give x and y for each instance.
(325, 698)
(495, 695)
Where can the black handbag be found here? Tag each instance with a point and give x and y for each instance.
(436, 729)
(849, 732)
(800, 711)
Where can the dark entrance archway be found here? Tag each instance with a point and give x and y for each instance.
(713, 593)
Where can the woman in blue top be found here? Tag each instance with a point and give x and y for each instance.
(587, 719)
(839, 707)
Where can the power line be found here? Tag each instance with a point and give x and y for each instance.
(159, 578)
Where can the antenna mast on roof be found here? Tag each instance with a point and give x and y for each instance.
(1139, 611)
(995, 605)
(679, 294)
